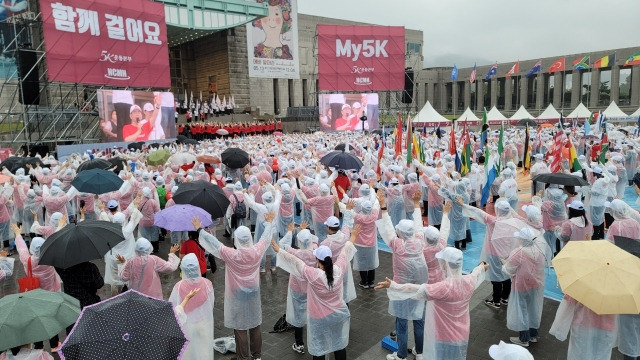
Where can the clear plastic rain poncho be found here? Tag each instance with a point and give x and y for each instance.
(366, 243)
(554, 213)
(435, 200)
(336, 242)
(509, 188)
(297, 294)
(270, 203)
(533, 218)
(407, 193)
(286, 208)
(142, 272)
(526, 266)
(32, 202)
(49, 279)
(409, 265)
(125, 248)
(395, 203)
(623, 177)
(242, 307)
(623, 224)
(196, 317)
(592, 335)
(631, 161)
(597, 197)
(447, 309)
(435, 241)
(459, 222)
(328, 316)
(498, 241)
(321, 209)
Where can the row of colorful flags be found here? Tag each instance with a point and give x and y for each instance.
(580, 64)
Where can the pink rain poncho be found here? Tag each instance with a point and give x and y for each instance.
(142, 271)
(575, 229)
(409, 265)
(526, 265)
(47, 230)
(242, 306)
(321, 209)
(297, 294)
(447, 308)
(435, 241)
(286, 208)
(554, 213)
(27, 354)
(196, 317)
(328, 316)
(336, 242)
(49, 279)
(55, 200)
(592, 335)
(407, 193)
(434, 199)
(366, 243)
(126, 248)
(623, 224)
(395, 203)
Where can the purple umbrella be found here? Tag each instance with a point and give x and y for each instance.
(178, 217)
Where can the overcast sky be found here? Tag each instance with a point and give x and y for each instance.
(468, 31)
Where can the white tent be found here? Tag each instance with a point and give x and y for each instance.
(550, 113)
(429, 115)
(494, 114)
(580, 112)
(468, 115)
(522, 113)
(613, 112)
(636, 114)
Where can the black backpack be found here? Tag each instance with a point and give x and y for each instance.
(240, 211)
(282, 325)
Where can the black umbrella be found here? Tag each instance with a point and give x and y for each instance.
(377, 131)
(13, 163)
(117, 162)
(340, 147)
(636, 179)
(204, 195)
(79, 242)
(135, 145)
(341, 160)
(128, 326)
(95, 164)
(525, 122)
(627, 244)
(190, 142)
(561, 179)
(155, 146)
(97, 181)
(181, 138)
(235, 158)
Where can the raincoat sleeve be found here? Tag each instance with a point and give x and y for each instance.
(210, 243)
(285, 242)
(564, 318)
(125, 187)
(35, 228)
(401, 292)
(510, 267)
(167, 266)
(417, 222)
(472, 212)
(301, 196)
(445, 226)
(385, 228)
(479, 273)
(136, 216)
(23, 251)
(72, 193)
(182, 316)
(290, 263)
(348, 221)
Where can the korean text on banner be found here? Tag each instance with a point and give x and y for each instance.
(361, 58)
(106, 42)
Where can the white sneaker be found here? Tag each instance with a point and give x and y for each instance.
(394, 356)
(418, 356)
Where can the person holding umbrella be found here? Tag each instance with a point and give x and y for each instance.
(142, 271)
(242, 306)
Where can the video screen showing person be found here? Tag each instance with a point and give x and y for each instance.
(343, 112)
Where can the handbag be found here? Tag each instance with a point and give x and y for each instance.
(29, 282)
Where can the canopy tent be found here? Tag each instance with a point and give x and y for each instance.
(522, 113)
(495, 114)
(550, 113)
(636, 114)
(580, 112)
(468, 115)
(613, 112)
(429, 115)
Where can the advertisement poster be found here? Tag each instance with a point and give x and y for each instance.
(360, 58)
(343, 112)
(272, 42)
(119, 43)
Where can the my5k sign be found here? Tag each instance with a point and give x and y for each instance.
(360, 58)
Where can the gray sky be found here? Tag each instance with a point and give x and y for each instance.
(468, 31)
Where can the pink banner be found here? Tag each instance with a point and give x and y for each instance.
(360, 58)
(106, 42)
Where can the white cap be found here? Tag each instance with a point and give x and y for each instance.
(450, 255)
(134, 108)
(346, 106)
(148, 107)
(394, 181)
(525, 233)
(597, 170)
(504, 351)
(332, 221)
(576, 205)
(322, 252)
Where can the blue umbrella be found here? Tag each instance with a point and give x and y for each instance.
(178, 217)
(97, 181)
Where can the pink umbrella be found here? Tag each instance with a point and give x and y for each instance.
(222, 132)
(277, 133)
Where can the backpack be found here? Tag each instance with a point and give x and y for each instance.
(162, 196)
(282, 325)
(240, 212)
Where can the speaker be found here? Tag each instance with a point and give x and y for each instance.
(30, 94)
(407, 94)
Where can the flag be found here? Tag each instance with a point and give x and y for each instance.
(603, 123)
(587, 124)
(454, 73)
(535, 69)
(557, 65)
(398, 143)
(466, 153)
(409, 141)
(526, 158)
(573, 157)
(605, 61)
(492, 71)
(380, 154)
(491, 176)
(631, 60)
(582, 63)
(514, 69)
(605, 147)
(423, 158)
(485, 129)
(416, 148)
(452, 142)
(500, 148)
(472, 78)
(560, 124)
(557, 152)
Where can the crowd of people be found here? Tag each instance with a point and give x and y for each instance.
(320, 224)
(201, 130)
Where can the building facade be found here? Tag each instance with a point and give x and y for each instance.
(218, 63)
(595, 88)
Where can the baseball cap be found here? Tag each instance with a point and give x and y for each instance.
(394, 181)
(112, 204)
(332, 221)
(450, 255)
(346, 106)
(576, 205)
(148, 107)
(133, 108)
(229, 179)
(322, 252)
(597, 170)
